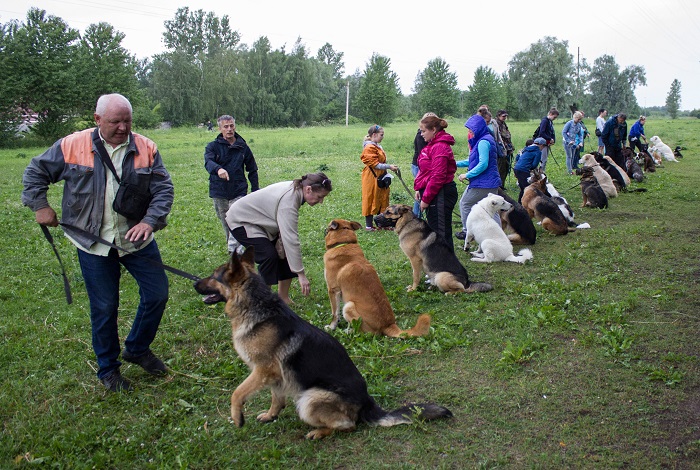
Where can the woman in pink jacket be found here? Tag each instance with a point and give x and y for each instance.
(434, 183)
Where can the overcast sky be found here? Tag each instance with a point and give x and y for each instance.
(661, 35)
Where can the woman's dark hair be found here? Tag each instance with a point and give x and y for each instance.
(318, 181)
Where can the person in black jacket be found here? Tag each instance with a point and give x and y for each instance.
(614, 137)
(227, 159)
(546, 131)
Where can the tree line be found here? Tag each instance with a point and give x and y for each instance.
(55, 74)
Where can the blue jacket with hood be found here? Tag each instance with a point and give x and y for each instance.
(483, 171)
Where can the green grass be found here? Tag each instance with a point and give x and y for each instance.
(586, 357)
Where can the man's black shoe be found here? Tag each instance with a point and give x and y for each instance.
(114, 382)
(148, 361)
(461, 235)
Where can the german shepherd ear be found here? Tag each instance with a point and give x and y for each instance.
(354, 225)
(248, 256)
(404, 209)
(333, 225)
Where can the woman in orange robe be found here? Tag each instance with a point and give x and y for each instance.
(374, 198)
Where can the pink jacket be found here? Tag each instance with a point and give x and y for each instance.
(436, 166)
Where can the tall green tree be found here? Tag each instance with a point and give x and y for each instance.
(673, 99)
(436, 89)
(175, 83)
(44, 74)
(261, 68)
(329, 67)
(196, 77)
(486, 89)
(10, 110)
(614, 89)
(196, 33)
(109, 66)
(297, 91)
(541, 76)
(378, 96)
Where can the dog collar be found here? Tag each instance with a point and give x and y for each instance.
(337, 245)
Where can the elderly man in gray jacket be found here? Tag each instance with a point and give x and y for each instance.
(89, 191)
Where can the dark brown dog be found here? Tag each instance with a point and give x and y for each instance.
(428, 252)
(517, 223)
(295, 359)
(352, 279)
(632, 168)
(541, 207)
(593, 194)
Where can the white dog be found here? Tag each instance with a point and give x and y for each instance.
(494, 244)
(661, 148)
(602, 176)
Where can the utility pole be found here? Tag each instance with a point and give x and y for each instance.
(347, 102)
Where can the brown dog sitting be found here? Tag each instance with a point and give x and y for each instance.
(352, 279)
(593, 194)
(541, 207)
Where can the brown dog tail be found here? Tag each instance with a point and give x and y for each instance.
(422, 328)
(405, 415)
(479, 287)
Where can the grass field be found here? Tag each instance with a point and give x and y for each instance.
(586, 357)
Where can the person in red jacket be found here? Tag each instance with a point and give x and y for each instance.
(434, 183)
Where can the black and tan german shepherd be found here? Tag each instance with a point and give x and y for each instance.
(295, 359)
(428, 252)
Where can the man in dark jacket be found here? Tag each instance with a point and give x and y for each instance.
(546, 131)
(227, 159)
(614, 137)
(88, 211)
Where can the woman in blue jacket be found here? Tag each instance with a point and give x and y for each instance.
(528, 159)
(637, 134)
(483, 173)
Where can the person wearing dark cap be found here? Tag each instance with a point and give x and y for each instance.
(505, 162)
(528, 159)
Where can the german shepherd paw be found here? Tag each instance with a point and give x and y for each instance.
(410, 288)
(319, 433)
(266, 417)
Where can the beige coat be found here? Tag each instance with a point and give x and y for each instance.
(271, 212)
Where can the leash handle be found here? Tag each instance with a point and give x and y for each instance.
(66, 284)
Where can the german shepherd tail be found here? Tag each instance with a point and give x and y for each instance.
(422, 328)
(405, 415)
(478, 287)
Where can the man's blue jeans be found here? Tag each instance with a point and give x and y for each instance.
(102, 275)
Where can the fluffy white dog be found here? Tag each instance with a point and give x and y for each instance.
(663, 149)
(494, 244)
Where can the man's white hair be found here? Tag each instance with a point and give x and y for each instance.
(104, 101)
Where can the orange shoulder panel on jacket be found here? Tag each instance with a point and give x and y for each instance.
(145, 151)
(77, 148)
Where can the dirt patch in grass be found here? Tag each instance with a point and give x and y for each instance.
(681, 425)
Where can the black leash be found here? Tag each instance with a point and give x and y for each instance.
(97, 239)
(410, 194)
(66, 284)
